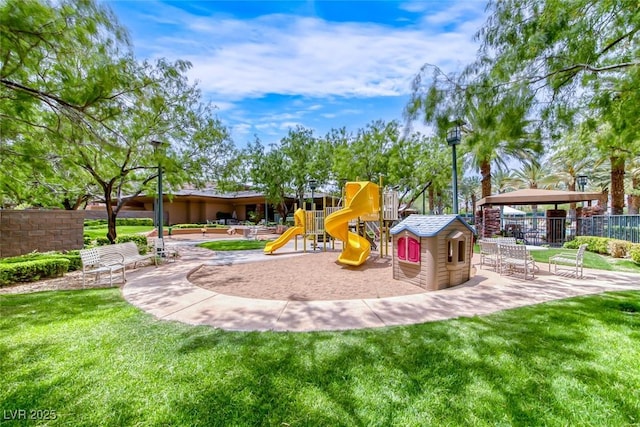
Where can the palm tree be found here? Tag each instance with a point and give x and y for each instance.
(490, 142)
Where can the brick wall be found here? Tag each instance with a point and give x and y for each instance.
(26, 231)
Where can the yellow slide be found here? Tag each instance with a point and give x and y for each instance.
(361, 198)
(289, 234)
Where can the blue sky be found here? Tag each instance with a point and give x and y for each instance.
(272, 65)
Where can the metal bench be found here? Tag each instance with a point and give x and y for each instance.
(514, 258)
(128, 251)
(575, 261)
(94, 263)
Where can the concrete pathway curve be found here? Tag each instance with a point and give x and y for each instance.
(167, 294)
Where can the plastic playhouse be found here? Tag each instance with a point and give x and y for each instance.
(432, 251)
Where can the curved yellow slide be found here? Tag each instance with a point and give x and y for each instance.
(289, 234)
(361, 198)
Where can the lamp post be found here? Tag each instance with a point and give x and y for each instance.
(453, 139)
(582, 181)
(313, 184)
(159, 219)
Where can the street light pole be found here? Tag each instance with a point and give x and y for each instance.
(453, 139)
(156, 145)
(313, 184)
(582, 182)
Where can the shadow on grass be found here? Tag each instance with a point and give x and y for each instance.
(99, 360)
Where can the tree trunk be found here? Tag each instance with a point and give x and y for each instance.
(111, 223)
(473, 204)
(485, 171)
(572, 206)
(111, 214)
(617, 185)
(634, 203)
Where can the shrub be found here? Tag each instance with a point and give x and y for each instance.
(32, 270)
(594, 244)
(119, 221)
(618, 248)
(102, 241)
(634, 252)
(139, 240)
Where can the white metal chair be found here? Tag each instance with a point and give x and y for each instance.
(574, 261)
(92, 263)
(489, 254)
(516, 258)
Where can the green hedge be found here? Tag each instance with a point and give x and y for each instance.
(119, 221)
(199, 226)
(32, 270)
(72, 256)
(602, 245)
(138, 239)
(634, 252)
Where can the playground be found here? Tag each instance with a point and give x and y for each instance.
(311, 276)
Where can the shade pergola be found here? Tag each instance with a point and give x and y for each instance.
(539, 197)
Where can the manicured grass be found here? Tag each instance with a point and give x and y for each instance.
(233, 245)
(95, 232)
(96, 360)
(591, 260)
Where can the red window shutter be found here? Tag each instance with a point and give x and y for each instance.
(402, 248)
(414, 250)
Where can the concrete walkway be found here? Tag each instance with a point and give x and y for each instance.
(167, 294)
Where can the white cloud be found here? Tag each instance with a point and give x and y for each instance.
(294, 55)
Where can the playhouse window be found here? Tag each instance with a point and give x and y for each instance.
(408, 249)
(456, 245)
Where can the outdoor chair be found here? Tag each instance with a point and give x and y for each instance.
(515, 258)
(489, 254)
(574, 261)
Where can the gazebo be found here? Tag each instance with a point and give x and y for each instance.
(553, 231)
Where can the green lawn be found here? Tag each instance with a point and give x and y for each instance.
(591, 260)
(233, 245)
(96, 360)
(95, 232)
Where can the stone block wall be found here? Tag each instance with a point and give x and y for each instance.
(488, 222)
(26, 231)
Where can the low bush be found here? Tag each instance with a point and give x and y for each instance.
(634, 252)
(182, 226)
(601, 245)
(618, 248)
(32, 270)
(598, 245)
(139, 239)
(119, 221)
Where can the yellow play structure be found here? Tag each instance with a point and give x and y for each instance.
(362, 204)
(362, 200)
(290, 233)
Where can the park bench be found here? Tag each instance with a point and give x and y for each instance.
(111, 258)
(93, 263)
(128, 251)
(573, 260)
(516, 258)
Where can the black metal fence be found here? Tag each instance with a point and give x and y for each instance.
(556, 231)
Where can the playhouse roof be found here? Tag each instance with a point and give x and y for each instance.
(427, 225)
